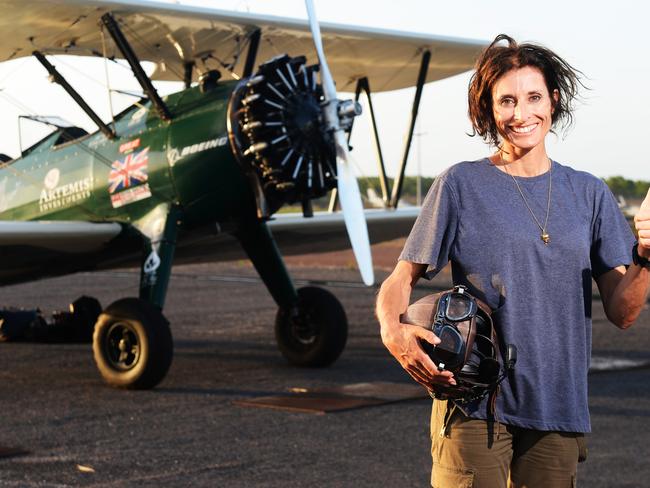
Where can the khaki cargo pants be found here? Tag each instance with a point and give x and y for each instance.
(470, 453)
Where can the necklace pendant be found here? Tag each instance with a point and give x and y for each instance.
(546, 238)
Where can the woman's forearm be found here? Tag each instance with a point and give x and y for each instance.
(628, 297)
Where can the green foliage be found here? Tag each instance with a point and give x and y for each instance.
(409, 188)
(627, 188)
(620, 186)
(409, 192)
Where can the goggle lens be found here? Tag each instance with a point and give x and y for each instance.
(450, 350)
(450, 340)
(459, 307)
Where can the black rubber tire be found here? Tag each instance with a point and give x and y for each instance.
(323, 339)
(145, 332)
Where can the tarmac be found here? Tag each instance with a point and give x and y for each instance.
(191, 431)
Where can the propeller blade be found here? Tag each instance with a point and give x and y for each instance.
(329, 90)
(355, 220)
(348, 188)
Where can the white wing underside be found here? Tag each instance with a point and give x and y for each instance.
(68, 237)
(171, 35)
(84, 237)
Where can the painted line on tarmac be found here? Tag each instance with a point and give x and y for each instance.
(257, 280)
(604, 364)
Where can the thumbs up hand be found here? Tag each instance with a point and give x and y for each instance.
(642, 225)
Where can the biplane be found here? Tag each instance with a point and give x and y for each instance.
(188, 176)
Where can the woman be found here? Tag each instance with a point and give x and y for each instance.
(525, 234)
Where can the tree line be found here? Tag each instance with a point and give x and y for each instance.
(627, 188)
(617, 184)
(409, 186)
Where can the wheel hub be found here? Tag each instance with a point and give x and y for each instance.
(303, 330)
(122, 346)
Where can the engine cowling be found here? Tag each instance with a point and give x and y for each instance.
(276, 131)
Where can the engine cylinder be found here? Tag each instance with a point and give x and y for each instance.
(276, 130)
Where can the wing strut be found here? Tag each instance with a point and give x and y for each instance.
(188, 67)
(58, 78)
(123, 45)
(252, 53)
(364, 84)
(422, 76)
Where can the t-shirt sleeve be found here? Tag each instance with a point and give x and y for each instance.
(612, 237)
(432, 237)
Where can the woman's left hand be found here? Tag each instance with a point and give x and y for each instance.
(642, 225)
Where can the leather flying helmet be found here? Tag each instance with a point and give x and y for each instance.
(469, 346)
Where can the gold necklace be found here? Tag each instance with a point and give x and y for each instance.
(546, 238)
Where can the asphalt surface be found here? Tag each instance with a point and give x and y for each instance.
(188, 432)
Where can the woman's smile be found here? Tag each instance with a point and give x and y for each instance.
(524, 129)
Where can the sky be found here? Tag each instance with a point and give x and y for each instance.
(607, 41)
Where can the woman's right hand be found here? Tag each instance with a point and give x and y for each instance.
(403, 342)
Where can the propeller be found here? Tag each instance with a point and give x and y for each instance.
(348, 188)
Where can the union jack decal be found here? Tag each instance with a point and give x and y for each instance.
(128, 172)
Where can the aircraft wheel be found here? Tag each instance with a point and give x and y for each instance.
(316, 335)
(132, 344)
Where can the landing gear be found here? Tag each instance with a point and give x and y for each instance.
(311, 327)
(313, 333)
(132, 344)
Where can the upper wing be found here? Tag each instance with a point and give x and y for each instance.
(172, 35)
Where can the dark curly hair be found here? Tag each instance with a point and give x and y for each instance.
(496, 60)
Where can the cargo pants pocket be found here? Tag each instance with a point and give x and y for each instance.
(451, 477)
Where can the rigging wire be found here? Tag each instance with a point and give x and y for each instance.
(235, 53)
(80, 72)
(17, 103)
(23, 63)
(147, 47)
(107, 83)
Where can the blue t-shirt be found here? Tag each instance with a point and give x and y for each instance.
(475, 217)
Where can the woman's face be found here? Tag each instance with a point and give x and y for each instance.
(522, 107)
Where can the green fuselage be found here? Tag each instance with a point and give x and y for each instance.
(187, 161)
